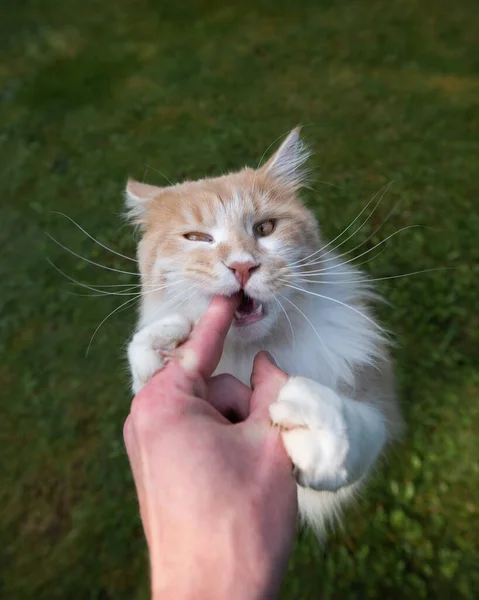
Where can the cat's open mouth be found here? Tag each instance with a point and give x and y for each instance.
(249, 311)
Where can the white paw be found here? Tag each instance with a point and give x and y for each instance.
(314, 433)
(150, 348)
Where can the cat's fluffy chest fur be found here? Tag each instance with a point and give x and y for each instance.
(248, 232)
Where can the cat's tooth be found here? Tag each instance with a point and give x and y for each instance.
(237, 314)
(258, 310)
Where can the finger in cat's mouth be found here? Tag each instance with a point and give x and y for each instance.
(249, 311)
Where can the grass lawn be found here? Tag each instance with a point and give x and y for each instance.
(92, 92)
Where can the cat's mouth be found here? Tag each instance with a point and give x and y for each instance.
(249, 311)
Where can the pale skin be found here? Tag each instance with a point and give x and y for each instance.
(217, 499)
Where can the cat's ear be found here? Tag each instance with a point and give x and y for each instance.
(287, 163)
(138, 197)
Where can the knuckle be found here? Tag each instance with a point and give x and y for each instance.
(142, 407)
(228, 379)
(127, 429)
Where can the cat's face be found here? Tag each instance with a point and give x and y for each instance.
(241, 232)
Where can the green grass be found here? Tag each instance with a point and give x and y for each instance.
(93, 92)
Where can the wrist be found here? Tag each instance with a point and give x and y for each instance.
(199, 583)
(208, 591)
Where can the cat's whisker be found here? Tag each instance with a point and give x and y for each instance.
(368, 280)
(97, 288)
(136, 298)
(366, 251)
(162, 307)
(103, 294)
(120, 285)
(308, 320)
(106, 318)
(123, 293)
(84, 285)
(289, 321)
(188, 298)
(383, 190)
(321, 260)
(160, 173)
(303, 280)
(163, 286)
(324, 182)
(110, 285)
(180, 302)
(92, 238)
(92, 262)
(320, 271)
(171, 183)
(383, 222)
(336, 301)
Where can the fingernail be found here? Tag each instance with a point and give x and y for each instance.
(271, 358)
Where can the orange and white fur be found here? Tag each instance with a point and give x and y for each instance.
(249, 232)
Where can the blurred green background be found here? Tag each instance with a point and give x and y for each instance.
(92, 92)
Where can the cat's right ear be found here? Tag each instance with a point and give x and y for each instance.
(287, 163)
(138, 197)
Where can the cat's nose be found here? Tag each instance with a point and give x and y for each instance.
(243, 271)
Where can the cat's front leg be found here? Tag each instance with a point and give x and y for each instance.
(332, 440)
(151, 346)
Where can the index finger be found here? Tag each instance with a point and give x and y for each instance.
(201, 354)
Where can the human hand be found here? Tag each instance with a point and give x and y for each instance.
(217, 500)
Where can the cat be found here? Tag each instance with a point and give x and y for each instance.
(249, 232)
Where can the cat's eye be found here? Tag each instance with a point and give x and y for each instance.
(197, 236)
(265, 228)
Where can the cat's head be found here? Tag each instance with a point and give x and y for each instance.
(239, 232)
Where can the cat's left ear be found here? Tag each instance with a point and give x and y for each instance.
(138, 198)
(287, 163)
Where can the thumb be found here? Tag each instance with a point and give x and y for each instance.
(266, 381)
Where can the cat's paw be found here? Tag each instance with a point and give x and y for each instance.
(314, 433)
(151, 347)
